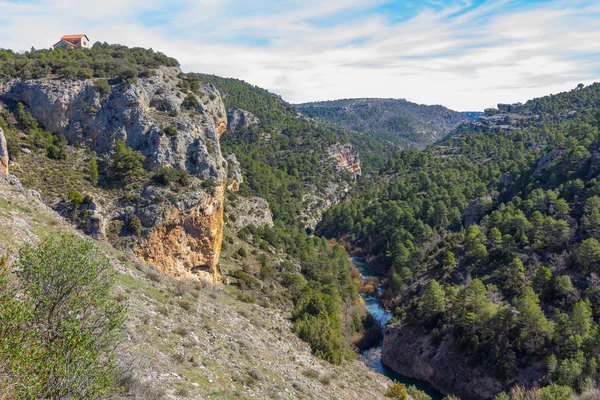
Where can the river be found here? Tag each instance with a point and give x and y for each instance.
(372, 357)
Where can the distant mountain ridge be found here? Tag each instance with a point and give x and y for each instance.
(401, 122)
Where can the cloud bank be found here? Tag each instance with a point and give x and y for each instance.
(467, 54)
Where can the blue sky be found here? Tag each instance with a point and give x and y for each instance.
(465, 54)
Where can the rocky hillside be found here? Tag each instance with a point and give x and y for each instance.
(187, 339)
(207, 233)
(400, 122)
(170, 129)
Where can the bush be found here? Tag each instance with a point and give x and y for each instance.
(170, 130)
(168, 175)
(102, 86)
(59, 326)
(94, 170)
(75, 198)
(397, 391)
(56, 153)
(134, 225)
(25, 119)
(127, 163)
(13, 145)
(190, 102)
(417, 394)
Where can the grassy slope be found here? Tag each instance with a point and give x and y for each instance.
(184, 340)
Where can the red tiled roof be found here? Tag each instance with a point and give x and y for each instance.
(76, 36)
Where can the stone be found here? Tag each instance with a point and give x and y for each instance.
(237, 119)
(3, 154)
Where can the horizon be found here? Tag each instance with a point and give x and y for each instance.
(465, 55)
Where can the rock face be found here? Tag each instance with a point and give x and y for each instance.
(234, 173)
(346, 156)
(409, 352)
(3, 154)
(183, 238)
(136, 114)
(251, 211)
(545, 162)
(238, 118)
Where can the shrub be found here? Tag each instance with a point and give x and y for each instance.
(102, 86)
(93, 170)
(397, 391)
(186, 304)
(168, 175)
(59, 325)
(75, 198)
(170, 130)
(13, 146)
(311, 373)
(417, 394)
(190, 102)
(134, 225)
(181, 331)
(127, 163)
(25, 119)
(56, 153)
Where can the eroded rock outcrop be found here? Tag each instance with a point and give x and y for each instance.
(409, 352)
(346, 156)
(237, 119)
(248, 211)
(3, 153)
(185, 240)
(182, 238)
(234, 173)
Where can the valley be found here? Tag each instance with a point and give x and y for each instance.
(227, 216)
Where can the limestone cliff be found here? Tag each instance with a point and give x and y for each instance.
(410, 353)
(186, 241)
(346, 156)
(3, 153)
(182, 238)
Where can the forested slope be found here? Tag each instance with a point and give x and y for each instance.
(492, 238)
(396, 121)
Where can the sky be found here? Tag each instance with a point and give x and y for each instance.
(465, 54)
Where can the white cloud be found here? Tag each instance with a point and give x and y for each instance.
(493, 53)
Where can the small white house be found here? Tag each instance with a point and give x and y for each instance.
(72, 41)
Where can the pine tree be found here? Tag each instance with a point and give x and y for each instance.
(433, 301)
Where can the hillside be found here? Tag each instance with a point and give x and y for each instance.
(188, 339)
(214, 266)
(488, 247)
(397, 121)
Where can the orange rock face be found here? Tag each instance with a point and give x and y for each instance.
(347, 157)
(187, 245)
